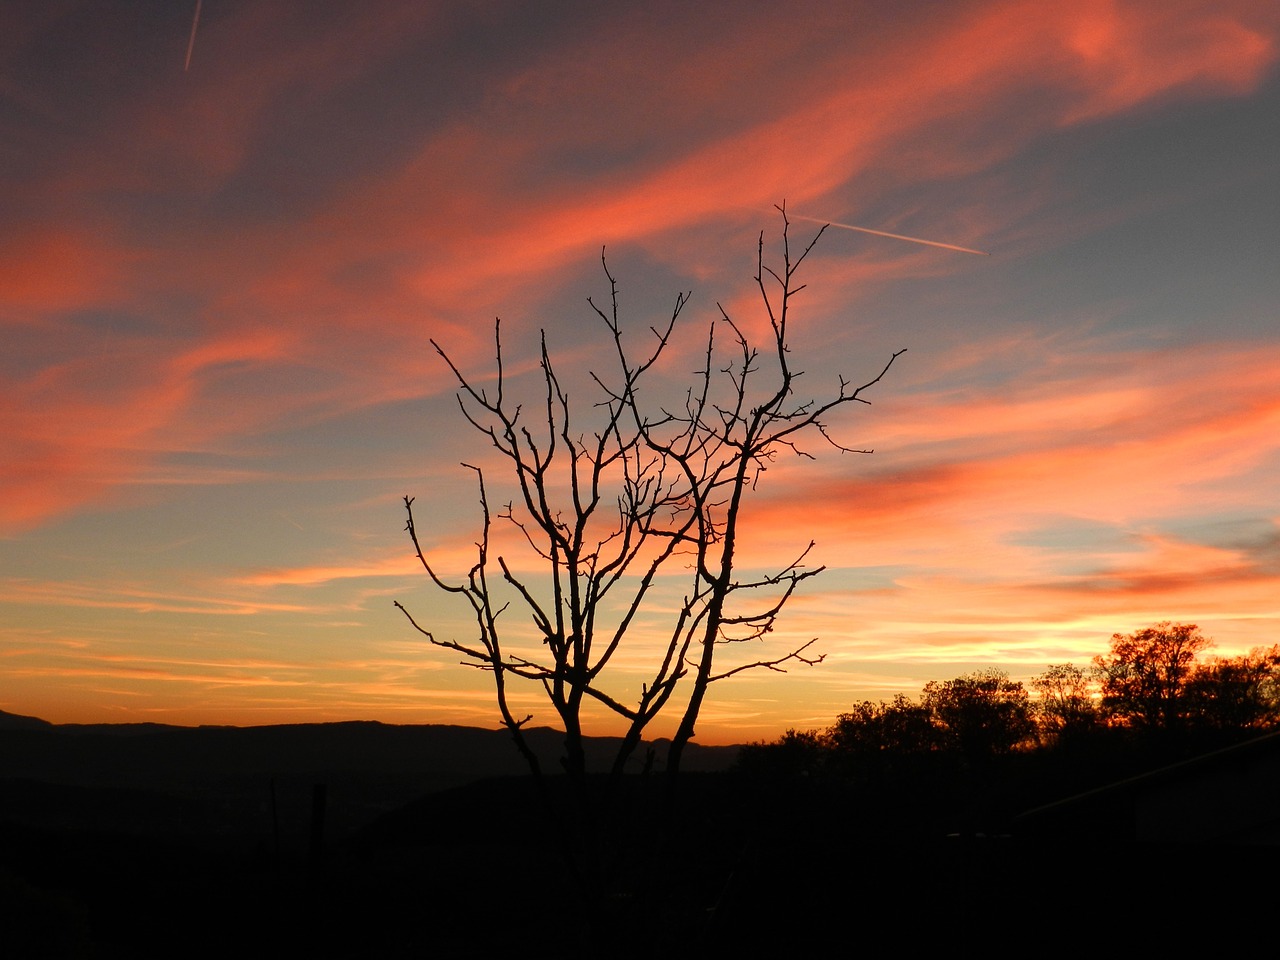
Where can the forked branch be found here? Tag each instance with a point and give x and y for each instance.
(638, 496)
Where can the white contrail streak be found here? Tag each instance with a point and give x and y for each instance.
(894, 236)
(191, 44)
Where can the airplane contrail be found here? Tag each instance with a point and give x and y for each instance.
(191, 44)
(894, 236)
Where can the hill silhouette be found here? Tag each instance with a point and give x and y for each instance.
(149, 840)
(156, 778)
(268, 833)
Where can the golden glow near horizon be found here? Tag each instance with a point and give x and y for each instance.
(218, 280)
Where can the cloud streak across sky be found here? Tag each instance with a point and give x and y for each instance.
(217, 289)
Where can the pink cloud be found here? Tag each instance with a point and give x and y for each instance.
(1132, 53)
(1143, 438)
(75, 430)
(493, 232)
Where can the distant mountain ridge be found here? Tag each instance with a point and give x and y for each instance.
(158, 778)
(159, 756)
(14, 721)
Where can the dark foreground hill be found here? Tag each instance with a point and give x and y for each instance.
(153, 841)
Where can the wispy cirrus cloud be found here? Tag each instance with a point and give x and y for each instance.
(808, 139)
(226, 279)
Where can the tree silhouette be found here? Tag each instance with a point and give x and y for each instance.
(1065, 702)
(795, 753)
(983, 714)
(1237, 693)
(901, 725)
(1068, 739)
(1145, 678)
(643, 488)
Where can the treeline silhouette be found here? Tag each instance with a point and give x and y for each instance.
(1154, 694)
(989, 805)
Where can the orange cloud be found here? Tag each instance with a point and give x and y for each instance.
(45, 270)
(140, 598)
(400, 565)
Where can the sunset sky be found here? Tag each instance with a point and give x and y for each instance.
(217, 287)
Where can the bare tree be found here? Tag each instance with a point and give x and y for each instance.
(644, 494)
